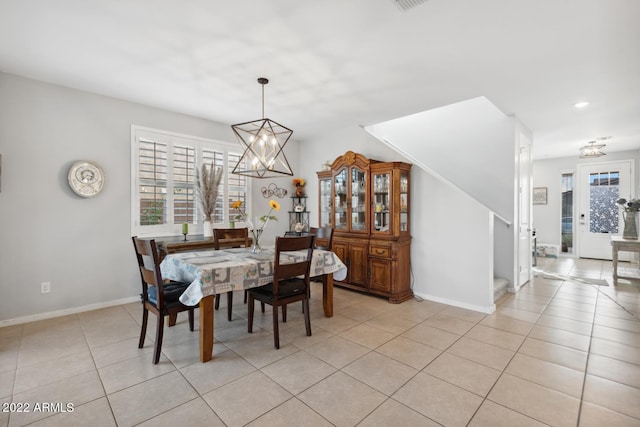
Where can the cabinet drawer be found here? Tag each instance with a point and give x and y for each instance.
(380, 251)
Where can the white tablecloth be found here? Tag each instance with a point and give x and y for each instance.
(215, 272)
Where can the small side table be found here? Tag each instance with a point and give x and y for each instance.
(620, 244)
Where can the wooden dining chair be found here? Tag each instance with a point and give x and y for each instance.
(324, 241)
(230, 238)
(158, 296)
(290, 283)
(324, 237)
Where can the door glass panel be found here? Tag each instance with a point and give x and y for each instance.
(340, 202)
(404, 202)
(567, 213)
(325, 202)
(358, 208)
(381, 200)
(604, 191)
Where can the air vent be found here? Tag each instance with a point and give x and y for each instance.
(405, 5)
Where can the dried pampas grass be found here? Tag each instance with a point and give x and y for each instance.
(207, 181)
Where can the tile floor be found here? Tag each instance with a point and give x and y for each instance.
(560, 353)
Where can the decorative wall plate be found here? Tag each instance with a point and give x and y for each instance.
(86, 178)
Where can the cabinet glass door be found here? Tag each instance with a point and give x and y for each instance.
(358, 200)
(325, 202)
(340, 203)
(404, 202)
(381, 202)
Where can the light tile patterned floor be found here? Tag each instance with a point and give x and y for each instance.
(560, 353)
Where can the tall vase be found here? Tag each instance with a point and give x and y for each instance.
(630, 225)
(207, 229)
(255, 247)
(299, 191)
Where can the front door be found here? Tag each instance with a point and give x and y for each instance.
(600, 185)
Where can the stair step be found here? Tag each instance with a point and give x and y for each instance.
(500, 285)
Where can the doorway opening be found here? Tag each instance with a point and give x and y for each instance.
(567, 213)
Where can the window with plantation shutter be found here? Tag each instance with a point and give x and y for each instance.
(163, 167)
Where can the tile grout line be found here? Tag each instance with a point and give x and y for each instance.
(586, 367)
(503, 371)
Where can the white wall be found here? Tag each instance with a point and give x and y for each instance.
(47, 233)
(452, 247)
(547, 218)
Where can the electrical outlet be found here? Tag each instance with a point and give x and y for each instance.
(45, 287)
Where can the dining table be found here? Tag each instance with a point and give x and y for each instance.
(192, 242)
(212, 272)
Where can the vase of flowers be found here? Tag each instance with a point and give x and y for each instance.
(207, 182)
(260, 222)
(630, 210)
(299, 184)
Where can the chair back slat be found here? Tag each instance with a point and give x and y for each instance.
(149, 276)
(231, 237)
(293, 269)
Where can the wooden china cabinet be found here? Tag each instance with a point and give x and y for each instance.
(367, 204)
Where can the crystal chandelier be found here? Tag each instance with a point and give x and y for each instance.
(263, 142)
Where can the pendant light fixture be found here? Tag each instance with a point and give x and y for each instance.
(263, 142)
(592, 150)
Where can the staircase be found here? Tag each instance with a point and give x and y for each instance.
(464, 158)
(500, 285)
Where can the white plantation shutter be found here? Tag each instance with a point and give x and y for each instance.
(152, 184)
(184, 202)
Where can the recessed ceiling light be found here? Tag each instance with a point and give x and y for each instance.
(581, 104)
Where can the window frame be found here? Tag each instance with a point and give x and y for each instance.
(200, 144)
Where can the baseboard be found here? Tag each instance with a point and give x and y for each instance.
(482, 309)
(66, 311)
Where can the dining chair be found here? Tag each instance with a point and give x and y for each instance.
(230, 238)
(324, 237)
(290, 283)
(158, 296)
(324, 240)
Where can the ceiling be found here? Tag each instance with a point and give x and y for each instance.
(337, 63)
